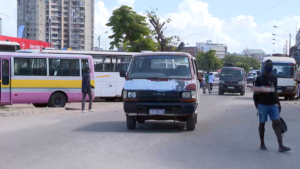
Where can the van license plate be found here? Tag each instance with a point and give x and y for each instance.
(230, 87)
(157, 111)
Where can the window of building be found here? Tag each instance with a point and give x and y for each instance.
(30, 67)
(63, 67)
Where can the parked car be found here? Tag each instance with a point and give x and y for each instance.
(232, 80)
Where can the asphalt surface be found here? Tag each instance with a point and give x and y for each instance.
(226, 137)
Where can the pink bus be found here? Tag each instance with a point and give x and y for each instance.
(43, 79)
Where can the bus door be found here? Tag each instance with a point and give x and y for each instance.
(5, 88)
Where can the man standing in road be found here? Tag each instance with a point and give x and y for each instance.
(206, 83)
(211, 81)
(86, 89)
(268, 104)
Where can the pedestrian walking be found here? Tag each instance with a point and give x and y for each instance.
(200, 78)
(86, 89)
(268, 104)
(298, 90)
(206, 78)
(211, 81)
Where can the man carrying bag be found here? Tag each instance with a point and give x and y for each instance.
(268, 104)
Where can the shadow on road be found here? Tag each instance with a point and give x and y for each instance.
(147, 127)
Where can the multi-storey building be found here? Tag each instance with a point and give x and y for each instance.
(65, 23)
(221, 49)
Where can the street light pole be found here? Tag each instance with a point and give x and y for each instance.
(99, 38)
(289, 36)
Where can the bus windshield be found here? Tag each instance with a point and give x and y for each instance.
(164, 66)
(283, 70)
(9, 48)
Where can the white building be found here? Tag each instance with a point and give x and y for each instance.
(221, 49)
(259, 54)
(68, 23)
(298, 39)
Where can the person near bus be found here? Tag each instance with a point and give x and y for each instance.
(268, 104)
(86, 89)
(211, 81)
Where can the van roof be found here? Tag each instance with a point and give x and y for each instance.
(280, 59)
(163, 53)
(233, 68)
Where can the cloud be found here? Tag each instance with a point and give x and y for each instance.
(9, 25)
(126, 2)
(193, 18)
(102, 15)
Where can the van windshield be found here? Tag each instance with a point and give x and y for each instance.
(283, 70)
(159, 67)
(232, 73)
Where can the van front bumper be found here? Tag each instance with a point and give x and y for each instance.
(171, 109)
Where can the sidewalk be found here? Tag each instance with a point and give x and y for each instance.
(29, 109)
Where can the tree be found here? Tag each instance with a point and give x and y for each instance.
(143, 44)
(208, 60)
(243, 65)
(158, 31)
(128, 27)
(250, 61)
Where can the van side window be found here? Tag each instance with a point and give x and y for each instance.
(194, 67)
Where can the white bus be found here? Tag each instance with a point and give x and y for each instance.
(6, 46)
(284, 68)
(109, 84)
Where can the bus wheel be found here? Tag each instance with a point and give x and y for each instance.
(57, 100)
(39, 105)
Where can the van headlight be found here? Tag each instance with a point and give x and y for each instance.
(131, 95)
(189, 95)
(241, 82)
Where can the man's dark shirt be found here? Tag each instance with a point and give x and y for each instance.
(86, 86)
(270, 98)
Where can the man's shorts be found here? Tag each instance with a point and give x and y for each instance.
(265, 110)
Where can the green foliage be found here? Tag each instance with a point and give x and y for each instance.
(243, 65)
(208, 61)
(128, 27)
(140, 45)
(250, 61)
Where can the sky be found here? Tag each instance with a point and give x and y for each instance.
(240, 24)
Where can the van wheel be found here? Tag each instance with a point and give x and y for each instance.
(39, 105)
(190, 123)
(131, 123)
(242, 93)
(57, 100)
(221, 92)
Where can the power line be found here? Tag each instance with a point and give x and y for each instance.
(232, 23)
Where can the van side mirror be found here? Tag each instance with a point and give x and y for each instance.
(122, 73)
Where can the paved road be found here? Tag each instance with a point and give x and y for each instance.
(226, 137)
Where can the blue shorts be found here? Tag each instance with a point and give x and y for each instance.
(265, 110)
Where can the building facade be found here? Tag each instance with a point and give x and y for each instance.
(191, 50)
(259, 54)
(65, 23)
(221, 49)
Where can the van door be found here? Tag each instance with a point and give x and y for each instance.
(5, 81)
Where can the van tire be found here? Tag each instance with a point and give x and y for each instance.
(190, 123)
(57, 100)
(242, 93)
(131, 123)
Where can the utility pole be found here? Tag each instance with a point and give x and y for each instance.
(290, 46)
(99, 41)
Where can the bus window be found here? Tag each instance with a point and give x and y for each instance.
(120, 63)
(5, 72)
(84, 64)
(102, 63)
(7, 48)
(30, 67)
(18, 47)
(63, 67)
